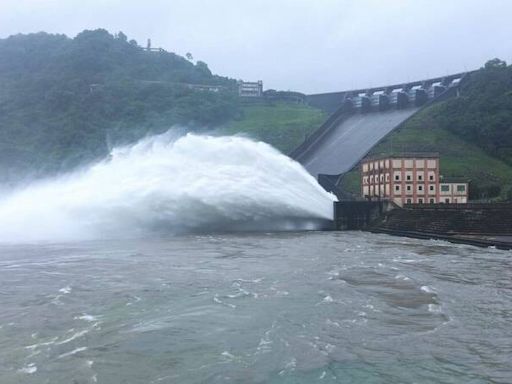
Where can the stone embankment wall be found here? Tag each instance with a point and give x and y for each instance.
(359, 215)
(449, 219)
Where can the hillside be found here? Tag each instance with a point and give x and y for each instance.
(472, 133)
(283, 125)
(65, 101)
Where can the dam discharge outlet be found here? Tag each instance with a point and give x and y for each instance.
(164, 184)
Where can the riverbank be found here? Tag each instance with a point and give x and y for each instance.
(499, 242)
(482, 225)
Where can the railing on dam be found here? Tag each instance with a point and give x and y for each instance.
(381, 98)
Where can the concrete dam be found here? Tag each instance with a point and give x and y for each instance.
(359, 119)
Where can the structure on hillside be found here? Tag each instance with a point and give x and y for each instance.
(409, 178)
(361, 118)
(250, 89)
(149, 49)
(290, 97)
(206, 87)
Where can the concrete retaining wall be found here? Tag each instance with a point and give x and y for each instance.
(449, 219)
(359, 215)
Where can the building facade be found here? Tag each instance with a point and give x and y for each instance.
(409, 179)
(250, 89)
(453, 191)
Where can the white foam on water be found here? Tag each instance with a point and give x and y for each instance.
(29, 368)
(71, 353)
(65, 290)
(219, 301)
(258, 280)
(169, 184)
(228, 355)
(34, 346)
(427, 289)
(73, 337)
(435, 308)
(328, 299)
(86, 317)
(289, 367)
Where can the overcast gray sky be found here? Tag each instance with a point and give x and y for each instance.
(305, 45)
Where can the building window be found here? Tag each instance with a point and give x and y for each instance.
(397, 188)
(420, 177)
(408, 177)
(445, 188)
(446, 200)
(408, 187)
(420, 187)
(397, 177)
(431, 187)
(420, 201)
(431, 177)
(408, 201)
(461, 188)
(431, 201)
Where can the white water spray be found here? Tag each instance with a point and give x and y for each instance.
(193, 183)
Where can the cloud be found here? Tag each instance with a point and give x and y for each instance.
(305, 45)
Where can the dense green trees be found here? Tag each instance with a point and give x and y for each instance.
(472, 133)
(483, 113)
(64, 101)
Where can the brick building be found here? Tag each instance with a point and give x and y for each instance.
(410, 178)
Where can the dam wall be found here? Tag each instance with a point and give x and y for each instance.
(346, 142)
(363, 118)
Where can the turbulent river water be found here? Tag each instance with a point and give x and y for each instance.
(295, 307)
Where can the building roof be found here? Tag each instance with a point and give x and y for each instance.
(450, 180)
(403, 155)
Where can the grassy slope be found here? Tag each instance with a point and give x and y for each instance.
(458, 157)
(282, 125)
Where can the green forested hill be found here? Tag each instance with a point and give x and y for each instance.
(63, 101)
(483, 113)
(283, 125)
